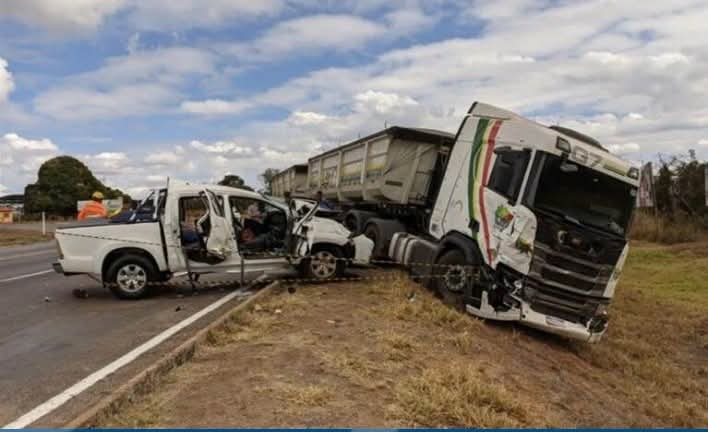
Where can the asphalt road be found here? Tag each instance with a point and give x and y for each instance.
(50, 339)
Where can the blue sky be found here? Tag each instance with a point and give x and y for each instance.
(141, 90)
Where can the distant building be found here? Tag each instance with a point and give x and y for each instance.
(6, 215)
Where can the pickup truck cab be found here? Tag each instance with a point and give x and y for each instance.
(198, 229)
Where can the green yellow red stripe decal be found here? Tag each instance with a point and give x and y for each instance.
(479, 170)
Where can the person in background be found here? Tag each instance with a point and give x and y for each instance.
(124, 213)
(93, 208)
(323, 203)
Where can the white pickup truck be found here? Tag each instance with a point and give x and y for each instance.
(201, 229)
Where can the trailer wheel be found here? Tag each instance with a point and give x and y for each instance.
(381, 231)
(451, 278)
(324, 263)
(355, 220)
(130, 277)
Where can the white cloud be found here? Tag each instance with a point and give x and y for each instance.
(222, 147)
(703, 142)
(61, 15)
(382, 102)
(167, 15)
(20, 157)
(105, 163)
(303, 118)
(75, 103)
(163, 158)
(620, 149)
(75, 16)
(6, 82)
(213, 107)
(18, 143)
(309, 35)
(140, 83)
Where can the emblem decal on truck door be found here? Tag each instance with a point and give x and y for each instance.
(480, 166)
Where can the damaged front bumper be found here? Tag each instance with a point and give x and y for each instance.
(361, 249)
(524, 314)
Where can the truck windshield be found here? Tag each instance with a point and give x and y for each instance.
(582, 195)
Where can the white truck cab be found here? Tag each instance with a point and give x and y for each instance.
(542, 213)
(196, 229)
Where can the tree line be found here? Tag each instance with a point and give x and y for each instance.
(680, 187)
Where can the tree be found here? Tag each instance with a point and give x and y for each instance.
(662, 190)
(267, 179)
(234, 181)
(61, 182)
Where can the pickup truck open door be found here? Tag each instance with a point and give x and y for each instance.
(220, 240)
(216, 242)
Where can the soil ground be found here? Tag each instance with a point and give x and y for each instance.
(389, 354)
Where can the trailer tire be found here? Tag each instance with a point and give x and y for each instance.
(325, 262)
(450, 278)
(131, 276)
(381, 231)
(355, 220)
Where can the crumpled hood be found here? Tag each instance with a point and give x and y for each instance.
(328, 225)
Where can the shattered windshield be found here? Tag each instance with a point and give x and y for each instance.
(582, 195)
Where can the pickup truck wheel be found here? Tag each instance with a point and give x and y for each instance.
(131, 277)
(451, 278)
(324, 263)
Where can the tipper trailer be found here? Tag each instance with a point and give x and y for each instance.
(292, 180)
(515, 220)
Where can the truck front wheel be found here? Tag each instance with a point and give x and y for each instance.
(131, 277)
(451, 278)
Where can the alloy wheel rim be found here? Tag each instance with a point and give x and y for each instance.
(323, 264)
(131, 278)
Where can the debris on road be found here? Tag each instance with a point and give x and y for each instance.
(80, 293)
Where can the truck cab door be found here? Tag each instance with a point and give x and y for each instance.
(509, 229)
(219, 233)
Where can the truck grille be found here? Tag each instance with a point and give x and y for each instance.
(569, 273)
(559, 303)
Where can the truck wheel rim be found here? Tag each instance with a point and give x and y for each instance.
(455, 278)
(323, 264)
(131, 278)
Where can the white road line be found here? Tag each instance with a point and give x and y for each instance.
(25, 276)
(81, 386)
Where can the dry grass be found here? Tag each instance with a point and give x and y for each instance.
(389, 354)
(457, 395)
(13, 237)
(656, 350)
(660, 229)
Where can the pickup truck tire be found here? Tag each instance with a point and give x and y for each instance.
(131, 277)
(450, 278)
(324, 263)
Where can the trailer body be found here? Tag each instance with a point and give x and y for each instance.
(292, 180)
(393, 166)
